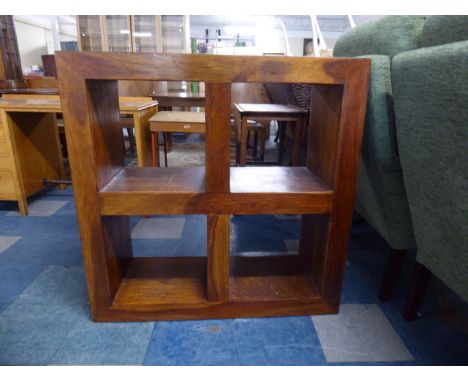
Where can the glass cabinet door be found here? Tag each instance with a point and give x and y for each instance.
(90, 30)
(118, 33)
(145, 34)
(173, 34)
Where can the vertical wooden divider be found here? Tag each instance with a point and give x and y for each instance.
(218, 135)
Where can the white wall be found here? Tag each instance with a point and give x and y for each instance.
(34, 37)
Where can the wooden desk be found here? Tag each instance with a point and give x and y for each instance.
(180, 99)
(267, 112)
(30, 146)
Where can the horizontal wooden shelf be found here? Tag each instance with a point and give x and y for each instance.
(253, 190)
(175, 287)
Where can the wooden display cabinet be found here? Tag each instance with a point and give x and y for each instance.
(10, 63)
(143, 33)
(125, 287)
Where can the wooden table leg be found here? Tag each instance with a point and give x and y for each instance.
(155, 148)
(296, 152)
(244, 130)
(23, 207)
(142, 135)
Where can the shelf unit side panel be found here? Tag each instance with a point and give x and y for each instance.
(351, 129)
(105, 240)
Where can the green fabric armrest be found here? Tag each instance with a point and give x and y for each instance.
(387, 36)
(430, 87)
(381, 196)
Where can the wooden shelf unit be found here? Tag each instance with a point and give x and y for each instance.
(125, 287)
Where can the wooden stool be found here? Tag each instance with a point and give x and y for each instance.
(173, 122)
(268, 112)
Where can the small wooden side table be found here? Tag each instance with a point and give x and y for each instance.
(173, 122)
(267, 112)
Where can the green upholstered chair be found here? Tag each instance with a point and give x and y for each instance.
(430, 92)
(381, 196)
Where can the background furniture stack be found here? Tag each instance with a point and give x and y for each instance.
(124, 287)
(412, 182)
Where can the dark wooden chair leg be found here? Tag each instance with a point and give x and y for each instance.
(279, 124)
(419, 282)
(166, 148)
(263, 133)
(131, 139)
(391, 273)
(281, 144)
(169, 142)
(255, 145)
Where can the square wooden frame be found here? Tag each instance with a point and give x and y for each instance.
(127, 288)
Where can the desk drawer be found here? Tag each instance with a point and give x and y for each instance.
(7, 185)
(5, 163)
(3, 149)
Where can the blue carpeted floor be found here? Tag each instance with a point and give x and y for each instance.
(45, 318)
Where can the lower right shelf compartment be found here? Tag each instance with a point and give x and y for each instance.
(270, 278)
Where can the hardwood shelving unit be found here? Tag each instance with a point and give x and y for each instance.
(125, 287)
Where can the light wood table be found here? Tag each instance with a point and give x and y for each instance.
(267, 112)
(30, 146)
(173, 122)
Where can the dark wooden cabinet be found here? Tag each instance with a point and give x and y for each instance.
(10, 64)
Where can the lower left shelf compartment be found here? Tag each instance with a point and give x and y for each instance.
(151, 282)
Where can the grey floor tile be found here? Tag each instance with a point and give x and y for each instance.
(30, 334)
(359, 333)
(60, 285)
(159, 228)
(96, 343)
(7, 241)
(42, 208)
